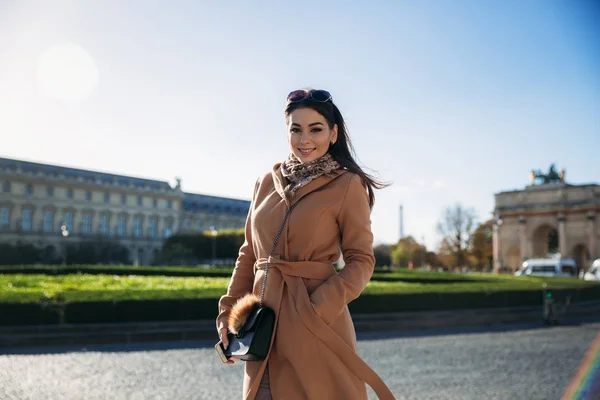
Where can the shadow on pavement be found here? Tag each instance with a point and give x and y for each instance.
(418, 333)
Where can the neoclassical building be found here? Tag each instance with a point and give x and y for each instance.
(202, 212)
(40, 201)
(545, 218)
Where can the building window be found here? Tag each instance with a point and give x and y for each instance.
(6, 187)
(153, 228)
(68, 221)
(29, 190)
(4, 217)
(168, 230)
(27, 220)
(88, 195)
(104, 225)
(48, 221)
(50, 192)
(122, 225)
(154, 203)
(69, 194)
(106, 198)
(123, 199)
(139, 201)
(87, 223)
(169, 204)
(186, 223)
(199, 225)
(138, 227)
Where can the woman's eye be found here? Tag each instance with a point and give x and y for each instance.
(294, 130)
(316, 130)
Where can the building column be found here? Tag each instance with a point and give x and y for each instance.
(136, 256)
(15, 218)
(130, 231)
(160, 227)
(562, 235)
(591, 232)
(523, 237)
(496, 244)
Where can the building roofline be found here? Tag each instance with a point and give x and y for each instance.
(215, 197)
(42, 165)
(549, 186)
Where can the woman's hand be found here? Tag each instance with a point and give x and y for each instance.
(225, 341)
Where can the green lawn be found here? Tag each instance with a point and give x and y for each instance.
(25, 288)
(30, 288)
(477, 284)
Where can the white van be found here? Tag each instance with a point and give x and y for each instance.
(593, 273)
(548, 267)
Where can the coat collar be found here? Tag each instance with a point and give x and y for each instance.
(280, 182)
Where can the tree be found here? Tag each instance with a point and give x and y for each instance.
(432, 259)
(408, 250)
(49, 255)
(445, 255)
(10, 254)
(456, 226)
(383, 255)
(481, 244)
(419, 256)
(197, 247)
(400, 256)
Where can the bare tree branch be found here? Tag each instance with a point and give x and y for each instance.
(456, 226)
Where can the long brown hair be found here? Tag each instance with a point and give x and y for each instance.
(342, 150)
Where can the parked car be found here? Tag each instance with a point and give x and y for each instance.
(593, 274)
(548, 267)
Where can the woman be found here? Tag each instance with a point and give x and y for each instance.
(313, 350)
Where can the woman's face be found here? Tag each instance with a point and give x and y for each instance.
(309, 135)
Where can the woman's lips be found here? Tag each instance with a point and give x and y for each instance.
(306, 152)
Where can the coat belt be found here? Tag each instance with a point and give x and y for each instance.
(301, 269)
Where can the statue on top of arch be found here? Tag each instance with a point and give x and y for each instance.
(551, 177)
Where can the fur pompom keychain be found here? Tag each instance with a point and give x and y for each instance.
(241, 310)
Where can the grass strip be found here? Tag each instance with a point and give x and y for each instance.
(33, 288)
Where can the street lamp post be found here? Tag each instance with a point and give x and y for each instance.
(424, 253)
(64, 231)
(214, 232)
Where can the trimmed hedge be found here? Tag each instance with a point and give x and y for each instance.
(120, 271)
(174, 310)
(380, 274)
(107, 312)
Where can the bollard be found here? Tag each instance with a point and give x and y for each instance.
(549, 315)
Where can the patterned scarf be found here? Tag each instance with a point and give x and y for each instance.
(299, 174)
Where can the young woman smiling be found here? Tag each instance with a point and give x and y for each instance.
(313, 348)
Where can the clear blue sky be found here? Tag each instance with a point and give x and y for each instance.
(452, 101)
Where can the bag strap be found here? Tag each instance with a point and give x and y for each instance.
(287, 214)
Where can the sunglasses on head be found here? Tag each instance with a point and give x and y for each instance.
(320, 96)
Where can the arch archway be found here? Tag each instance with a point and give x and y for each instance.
(581, 255)
(545, 241)
(139, 256)
(155, 256)
(513, 258)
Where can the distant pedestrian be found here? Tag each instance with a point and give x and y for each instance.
(313, 351)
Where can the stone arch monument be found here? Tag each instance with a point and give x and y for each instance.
(548, 217)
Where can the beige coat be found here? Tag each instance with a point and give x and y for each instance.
(313, 352)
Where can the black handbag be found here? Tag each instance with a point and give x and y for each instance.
(252, 342)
